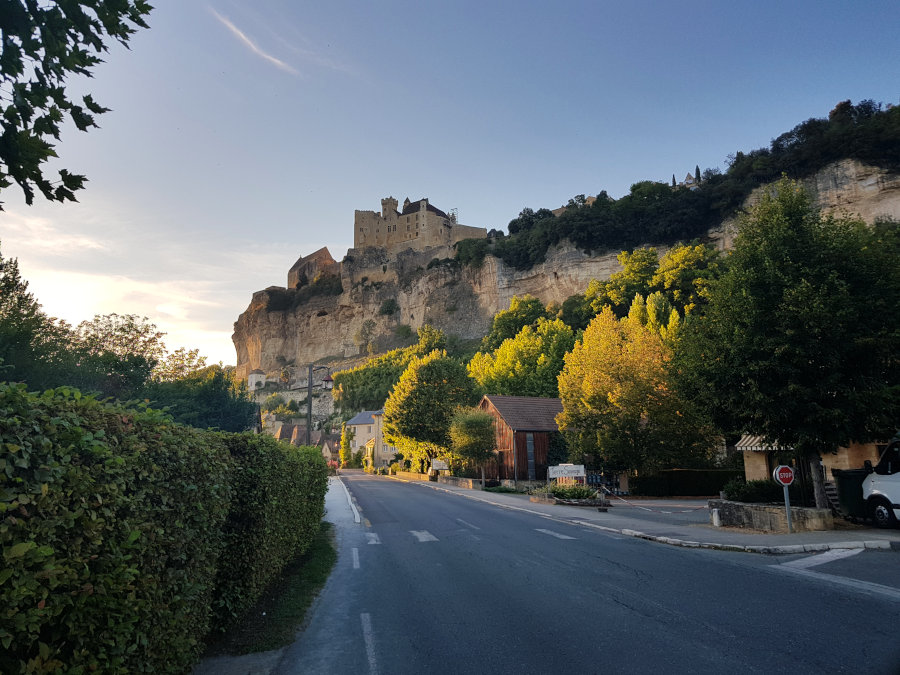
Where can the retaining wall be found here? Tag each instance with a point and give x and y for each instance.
(768, 517)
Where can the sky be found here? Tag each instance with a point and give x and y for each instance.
(243, 135)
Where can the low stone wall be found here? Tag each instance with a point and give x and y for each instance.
(468, 483)
(768, 517)
(408, 475)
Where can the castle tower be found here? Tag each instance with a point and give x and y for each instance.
(388, 206)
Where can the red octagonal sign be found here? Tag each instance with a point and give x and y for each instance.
(783, 475)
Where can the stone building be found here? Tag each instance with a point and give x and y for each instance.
(418, 226)
(311, 266)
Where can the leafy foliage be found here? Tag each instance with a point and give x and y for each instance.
(211, 398)
(527, 364)
(472, 435)
(277, 504)
(618, 406)
(114, 512)
(43, 44)
(366, 387)
(524, 311)
(419, 410)
(800, 339)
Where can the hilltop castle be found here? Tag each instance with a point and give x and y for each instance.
(419, 226)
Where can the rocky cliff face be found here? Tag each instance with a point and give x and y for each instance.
(428, 288)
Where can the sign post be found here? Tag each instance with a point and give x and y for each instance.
(784, 475)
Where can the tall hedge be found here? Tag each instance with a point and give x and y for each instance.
(278, 502)
(121, 531)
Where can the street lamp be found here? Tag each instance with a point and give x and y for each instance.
(327, 382)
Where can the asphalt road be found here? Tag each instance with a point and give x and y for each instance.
(428, 582)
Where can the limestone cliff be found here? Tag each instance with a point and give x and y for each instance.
(289, 326)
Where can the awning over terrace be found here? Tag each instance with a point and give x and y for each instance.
(757, 444)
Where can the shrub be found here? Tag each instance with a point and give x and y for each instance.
(758, 491)
(121, 531)
(111, 534)
(389, 307)
(574, 491)
(279, 492)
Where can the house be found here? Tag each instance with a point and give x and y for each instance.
(761, 458)
(524, 426)
(368, 435)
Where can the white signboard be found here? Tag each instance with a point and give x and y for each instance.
(566, 471)
(439, 465)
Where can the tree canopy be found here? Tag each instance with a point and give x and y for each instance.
(800, 340)
(417, 414)
(619, 409)
(526, 364)
(524, 311)
(43, 45)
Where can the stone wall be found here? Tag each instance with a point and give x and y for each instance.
(769, 517)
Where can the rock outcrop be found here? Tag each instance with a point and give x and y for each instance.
(399, 293)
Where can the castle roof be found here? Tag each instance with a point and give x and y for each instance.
(413, 207)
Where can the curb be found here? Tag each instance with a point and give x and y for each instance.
(873, 544)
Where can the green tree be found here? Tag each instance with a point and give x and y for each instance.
(32, 345)
(527, 364)
(524, 311)
(800, 339)
(346, 454)
(178, 365)
(273, 402)
(43, 44)
(210, 398)
(618, 405)
(638, 268)
(684, 274)
(472, 436)
(417, 414)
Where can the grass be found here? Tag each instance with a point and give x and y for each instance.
(277, 616)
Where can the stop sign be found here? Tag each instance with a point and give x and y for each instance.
(783, 475)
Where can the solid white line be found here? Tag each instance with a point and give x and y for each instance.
(554, 534)
(356, 558)
(423, 535)
(369, 639)
(854, 584)
(463, 522)
(349, 501)
(822, 558)
(373, 538)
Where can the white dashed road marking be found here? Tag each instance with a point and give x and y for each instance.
(373, 538)
(369, 639)
(470, 525)
(356, 558)
(423, 535)
(554, 534)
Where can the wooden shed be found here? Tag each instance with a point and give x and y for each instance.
(523, 428)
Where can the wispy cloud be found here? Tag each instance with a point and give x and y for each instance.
(252, 46)
(43, 236)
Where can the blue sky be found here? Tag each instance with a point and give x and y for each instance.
(243, 135)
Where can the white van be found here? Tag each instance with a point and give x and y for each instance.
(881, 488)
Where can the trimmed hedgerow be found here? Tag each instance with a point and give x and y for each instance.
(121, 532)
(110, 532)
(279, 494)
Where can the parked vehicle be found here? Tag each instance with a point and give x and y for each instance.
(881, 487)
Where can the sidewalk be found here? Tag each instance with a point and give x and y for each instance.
(683, 522)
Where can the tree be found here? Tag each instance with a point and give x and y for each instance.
(697, 174)
(638, 268)
(43, 44)
(800, 340)
(362, 338)
(208, 399)
(524, 311)
(527, 364)
(417, 414)
(472, 436)
(618, 405)
(346, 454)
(178, 365)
